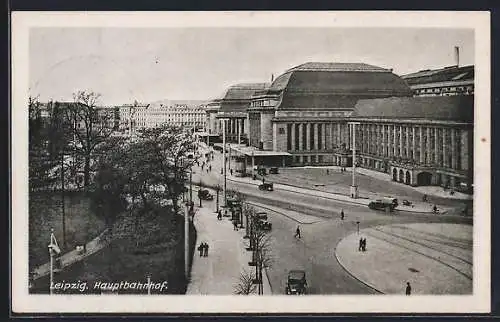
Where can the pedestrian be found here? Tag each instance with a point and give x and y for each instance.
(219, 216)
(408, 288)
(231, 171)
(207, 170)
(225, 212)
(434, 209)
(206, 250)
(360, 247)
(364, 244)
(200, 249)
(235, 227)
(327, 171)
(297, 232)
(424, 198)
(210, 167)
(342, 214)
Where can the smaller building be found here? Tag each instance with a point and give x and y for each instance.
(232, 108)
(448, 81)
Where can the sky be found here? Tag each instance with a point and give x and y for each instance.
(147, 65)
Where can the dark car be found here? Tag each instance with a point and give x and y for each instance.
(381, 205)
(264, 225)
(267, 186)
(261, 215)
(204, 194)
(273, 170)
(296, 282)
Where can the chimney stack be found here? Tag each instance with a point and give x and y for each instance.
(457, 56)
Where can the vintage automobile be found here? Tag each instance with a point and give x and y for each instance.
(267, 186)
(381, 204)
(407, 203)
(296, 282)
(204, 194)
(264, 225)
(273, 170)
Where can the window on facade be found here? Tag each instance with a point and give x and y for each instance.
(320, 137)
(297, 147)
(281, 130)
(320, 159)
(311, 136)
(289, 137)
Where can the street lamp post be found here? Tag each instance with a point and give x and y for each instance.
(357, 223)
(53, 251)
(354, 187)
(186, 242)
(224, 157)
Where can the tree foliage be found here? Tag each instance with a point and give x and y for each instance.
(147, 171)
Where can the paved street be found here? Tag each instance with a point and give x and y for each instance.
(322, 230)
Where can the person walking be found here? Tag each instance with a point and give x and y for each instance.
(360, 246)
(210, 168)
(200, 249)
(206, 250)
(364, 244)
(342, 214)
(297, 232)
(408, 288)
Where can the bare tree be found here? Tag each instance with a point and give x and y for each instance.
(91, 127)
(245, 285)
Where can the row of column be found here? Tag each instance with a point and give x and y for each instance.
(233, 126)
(439, 146)
(308, 136)
(426, 145)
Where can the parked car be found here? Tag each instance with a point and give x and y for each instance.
(267, 186)
(261, 215)
(263, 225)
(273, 170)
(296, 282)
(407, 203)
(380, 204)
(204, 194)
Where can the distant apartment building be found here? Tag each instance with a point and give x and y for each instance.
(140, 116)
(448, 81)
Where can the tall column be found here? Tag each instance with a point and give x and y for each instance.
(445, 148)
(464, 141)
(394, 154)
(436, 146)
(413, 143)
(401, 141)
(421, 144)
(301, 133)
(293, 137)
(339, 135)
(308, 136)
(428, 145)
(453, 149)
(407, 142)
(316, 134)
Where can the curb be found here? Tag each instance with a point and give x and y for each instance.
(332, 197)
(351, 274)
(279, 212)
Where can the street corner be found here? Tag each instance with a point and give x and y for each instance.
(434, 258)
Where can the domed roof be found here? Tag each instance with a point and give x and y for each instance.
(335, 85)
(451, 108)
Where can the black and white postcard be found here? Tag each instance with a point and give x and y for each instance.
(243, 162)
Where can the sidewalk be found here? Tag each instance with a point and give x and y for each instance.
(219, 272)
(429, 256)
(72, 257)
